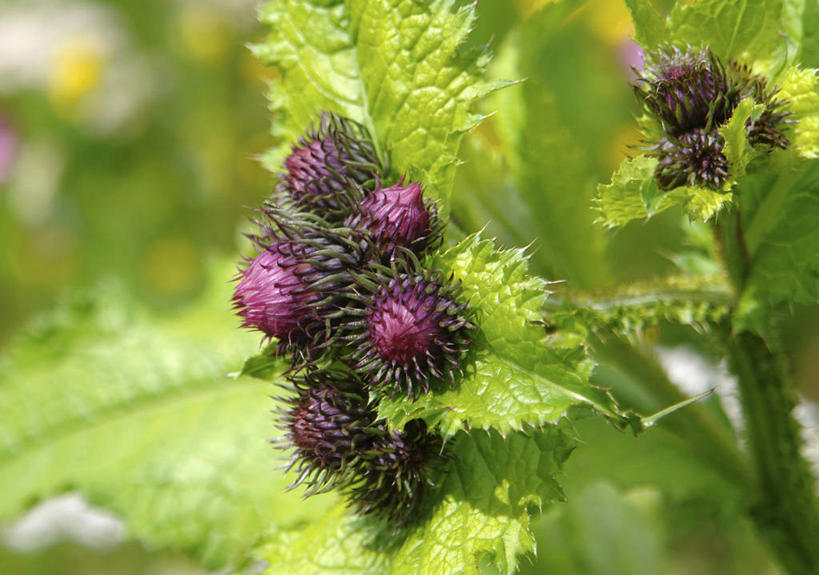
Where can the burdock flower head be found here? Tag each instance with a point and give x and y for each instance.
(398, 217)
(328, 426)
(693, 159)
(687, 89)
(395, 472)
(768, 128)
(293, 288)
(410, 331)
(325, 164)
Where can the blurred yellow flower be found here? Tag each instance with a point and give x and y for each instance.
(76, 70)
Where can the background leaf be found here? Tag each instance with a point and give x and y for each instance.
(135, 412)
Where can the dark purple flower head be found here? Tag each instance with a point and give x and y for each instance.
(395, 473)
(768, 129)
(687, 90)
(398, 217)
(328, 425)
(693, 159)
(325, 164)
(413, 331)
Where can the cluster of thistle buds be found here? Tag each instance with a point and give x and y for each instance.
(692, 93)
(339, 282)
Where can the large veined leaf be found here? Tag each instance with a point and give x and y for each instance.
(478, 515)
(136, 413)
(514, 376)
(400, 67)
(767, 33)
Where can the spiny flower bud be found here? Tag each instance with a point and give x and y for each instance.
(693, 159)
(293, 290)
(412, 331)
(768, 129)
(398, 217)
(687, 90)
(329, 160)
(395, 472)
(328, 426)
(271, 296)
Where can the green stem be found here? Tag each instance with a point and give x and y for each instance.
(785, 510)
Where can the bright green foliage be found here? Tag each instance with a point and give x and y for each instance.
(800, 88)
(514, 375)
(397, 66)
(764, 32)
(479, 512)
(737, 149)
(136, 414)
(750, 30)
(633, 194)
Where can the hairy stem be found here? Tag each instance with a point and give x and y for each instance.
(785, 510)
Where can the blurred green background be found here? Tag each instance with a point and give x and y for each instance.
(128, 136)
(128, 132)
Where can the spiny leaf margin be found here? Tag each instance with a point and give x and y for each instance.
(515, 376)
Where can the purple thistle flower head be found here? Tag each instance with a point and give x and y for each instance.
(325, 164)
(328, 425)
(394, 474)
(768, 128)
(273, 294)
(687, 90)
(398, 217)
(304, 274)
(413, 332)
(693, 159)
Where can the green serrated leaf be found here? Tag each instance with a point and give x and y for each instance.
(737, 150)
(700, 204)
(630, 194)
(514, 376)
(800, 88)
(135, 412)
(397, 66)
(633, 195)
(480, 511)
